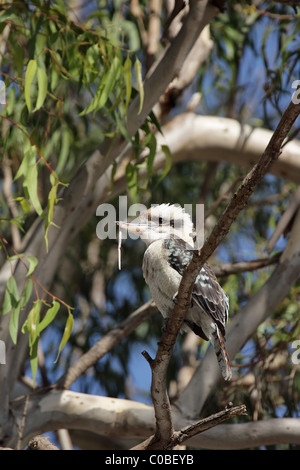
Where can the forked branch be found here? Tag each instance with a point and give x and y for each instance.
(178, 437)
(159, 365)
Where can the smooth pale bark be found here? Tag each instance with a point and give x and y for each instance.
(130, 420)
(209, 138)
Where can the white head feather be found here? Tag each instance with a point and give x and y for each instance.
(160, 222)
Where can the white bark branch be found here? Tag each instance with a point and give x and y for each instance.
(111, 417)
(209, 138)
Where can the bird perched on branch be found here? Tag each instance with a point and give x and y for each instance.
(169, 234)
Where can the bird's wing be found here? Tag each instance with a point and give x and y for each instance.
(207, 293)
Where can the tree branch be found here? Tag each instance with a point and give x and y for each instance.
(237, 203)
(285, 220)
(187, 432)
(131, 420)
(244, 324)
(209, 138)
(226, 269)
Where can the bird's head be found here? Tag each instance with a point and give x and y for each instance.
(161, 222)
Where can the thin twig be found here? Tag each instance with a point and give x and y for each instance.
(225, 269)
(285, 220)
(207, 423)
(178, 437)
(223, 197)
(22, 424)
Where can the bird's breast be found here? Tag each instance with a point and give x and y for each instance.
(162, 279)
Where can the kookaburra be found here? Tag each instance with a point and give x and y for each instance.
(169, 234)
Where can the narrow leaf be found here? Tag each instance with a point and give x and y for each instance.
(13, 289)
(33, 320)
(50, 209)
(105, 86)
(34, 360)
(122, 128)
(11, 296)
(66, 335)
(25, 205)
(14, 323)
(29, 76)
(32, 264)
(127, 76)
(24, 166)
(6, 306)
(42, 80)
(138, 73)
(31, 184)
(112, 77)
(49, 317)
(26, 293)
(132, 179)
(168, 163)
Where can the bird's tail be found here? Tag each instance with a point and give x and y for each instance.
(221, 353)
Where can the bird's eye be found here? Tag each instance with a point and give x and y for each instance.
(160, 220)
(172, 223)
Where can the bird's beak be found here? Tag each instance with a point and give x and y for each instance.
(132, 227)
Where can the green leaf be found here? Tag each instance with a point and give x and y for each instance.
(168, 163)
(131, 176)
(138, 73)
(6, 306)
(110, 80)
(66, 141)
(66, 335)
(122, 128)
(28, 169)
(32, 187)
(24, 165)
(11, 297)
(12, 303)
(14, 323)
(32, 322)
(26, 293)
(49, 317)
(34, 360)
(105, 87)
(25, 204)
(15, 222)
(42, 80)
(32, 264)
(29, 76)
(152, 152)
(127, 76)
(50, 209)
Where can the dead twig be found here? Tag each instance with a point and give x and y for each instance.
(225, 269)
(178, 437)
